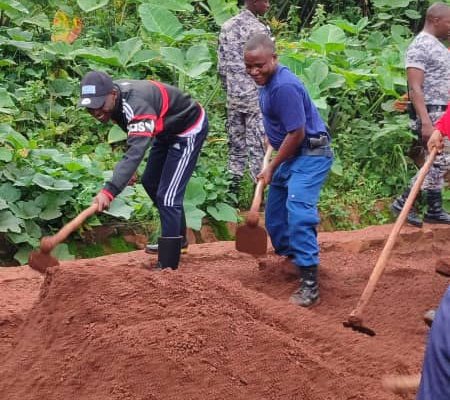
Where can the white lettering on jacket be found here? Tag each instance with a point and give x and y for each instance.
(141, 126)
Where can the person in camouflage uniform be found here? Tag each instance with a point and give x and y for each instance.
(244, 120)
(428, 72)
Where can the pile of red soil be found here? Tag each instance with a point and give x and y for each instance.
(219, 327)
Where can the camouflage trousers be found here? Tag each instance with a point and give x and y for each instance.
(245, 141)
(435, 177)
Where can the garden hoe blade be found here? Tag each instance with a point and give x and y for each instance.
(251, 240)
(40, 261)
(355, 319)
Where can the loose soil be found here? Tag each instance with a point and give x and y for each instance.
(220, 327)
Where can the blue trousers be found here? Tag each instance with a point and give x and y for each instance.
(170, 164)
(435, 382)
(291, 207)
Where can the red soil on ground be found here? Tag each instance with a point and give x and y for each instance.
(220, 327)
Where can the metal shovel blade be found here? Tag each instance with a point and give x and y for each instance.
(251, 240)
(40, 261)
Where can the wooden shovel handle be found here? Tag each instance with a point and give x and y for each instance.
(48, 243)
(259, 190)
(356, 314)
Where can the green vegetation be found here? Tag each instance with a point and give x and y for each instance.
(55, 157)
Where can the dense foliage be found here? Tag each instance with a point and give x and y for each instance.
(54, 157)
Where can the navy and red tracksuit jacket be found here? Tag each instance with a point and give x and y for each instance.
(146, 109)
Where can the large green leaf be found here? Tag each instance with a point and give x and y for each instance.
(332, 80)
(60, 88)
(8, 134)
(128, 49)
(19, 34)
(195, 62)
(25, 209)
(6, 155)
(195, 194)
(61, 252)
(40, 20)
(13, 5)
(160, 20)
(143, 57)
(328, 34)
(103, 56)
(223, 212)
(119, 209)
(116, 134)
(3, 204)
(222, 10)
(194, 216)
(19, 44)
(49, 183)
(23, 254)
(316, 72)
(50, 203)
(9, 222)
(7, 106)
(198, 60)
(174, 5)
(173, 56)
(391, 3)
(91, 5)
(9, 193)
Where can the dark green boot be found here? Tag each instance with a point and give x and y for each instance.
(307, 294)
(435, 213)
(413, 215)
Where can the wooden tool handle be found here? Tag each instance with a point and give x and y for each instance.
(356, 314)
(401, 383)
(259, 190)
(48, 243)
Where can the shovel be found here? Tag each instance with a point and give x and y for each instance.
(251, 238)
(355, 321)
(41, 259)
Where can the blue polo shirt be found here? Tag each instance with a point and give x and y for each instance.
(286, 106)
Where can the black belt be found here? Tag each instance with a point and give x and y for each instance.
(318, 151)
(436, 107)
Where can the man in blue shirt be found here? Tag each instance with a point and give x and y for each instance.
(295, 129)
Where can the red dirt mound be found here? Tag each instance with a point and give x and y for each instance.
(220, 327)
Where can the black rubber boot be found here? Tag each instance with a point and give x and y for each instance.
(153, 248)
(169, 249)
(307, 294)
(436, 214)
(413, 215)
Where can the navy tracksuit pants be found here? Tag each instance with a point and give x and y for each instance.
(435, 382)
(170, 165)
(291, 207)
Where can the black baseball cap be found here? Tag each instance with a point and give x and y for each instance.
(95, 86)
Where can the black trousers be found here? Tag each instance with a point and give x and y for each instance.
(170, 165)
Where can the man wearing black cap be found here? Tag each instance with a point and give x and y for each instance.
(159, 114)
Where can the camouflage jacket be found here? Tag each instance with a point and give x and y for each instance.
(241, 89)
(428, 54)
